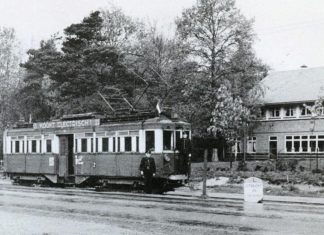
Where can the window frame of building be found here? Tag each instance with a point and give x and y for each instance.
(305, 112)
(289, 139)
(305, 143)
(320, 111)
(273, 139)
(251, 144)
(237, 146)
(275, 112)
(290, 112)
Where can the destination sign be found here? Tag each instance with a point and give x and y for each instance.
(67, 124)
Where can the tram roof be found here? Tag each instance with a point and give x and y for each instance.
(143, 117)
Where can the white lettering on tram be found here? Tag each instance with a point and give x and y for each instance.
(67, 124)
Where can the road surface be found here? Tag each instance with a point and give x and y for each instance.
(47, 211)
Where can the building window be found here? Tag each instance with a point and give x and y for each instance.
(275, 112)
(305, 112)
(251, 145)
(149, 140)
(114, 144)
(305, 143)
(167, 140)
(312, 143)
(320, 111)
(105, 144)
(296, 144)
(237, 146)
(84, 145)
(48, 146)
(288, 144)
(320, 144)
(128, 144)
(289, 112)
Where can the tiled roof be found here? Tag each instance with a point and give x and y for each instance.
(294, 86)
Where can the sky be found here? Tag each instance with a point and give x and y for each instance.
(290, 33)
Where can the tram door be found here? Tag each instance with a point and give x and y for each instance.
(66, 166)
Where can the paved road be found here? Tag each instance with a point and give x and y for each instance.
(26, 210)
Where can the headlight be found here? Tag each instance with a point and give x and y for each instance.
(166, 158)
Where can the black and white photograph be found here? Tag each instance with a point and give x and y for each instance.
(154, 117)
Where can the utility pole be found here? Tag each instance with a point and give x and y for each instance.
(204, 194)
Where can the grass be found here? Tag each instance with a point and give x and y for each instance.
(283, 183)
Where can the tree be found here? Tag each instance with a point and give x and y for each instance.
(120, 31)
(219, 39)
(10, 76)
(161, 63)
(36, 98)
(86, 64)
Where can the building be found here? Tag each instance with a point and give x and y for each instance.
(290, 125)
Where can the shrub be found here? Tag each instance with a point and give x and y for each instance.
(301, 168)
(287, 165)
(242, 166)
(317, 171)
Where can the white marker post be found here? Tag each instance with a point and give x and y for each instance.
(253, 190)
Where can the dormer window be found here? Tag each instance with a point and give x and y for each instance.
(275, 112)
(305, 112)
(290, 111)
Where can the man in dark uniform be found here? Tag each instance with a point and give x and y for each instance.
(185, 154)
(147, 168)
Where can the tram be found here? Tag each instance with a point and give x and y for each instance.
(91, 148)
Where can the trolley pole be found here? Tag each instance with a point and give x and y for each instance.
(204, 194)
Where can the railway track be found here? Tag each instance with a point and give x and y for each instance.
(91, 192)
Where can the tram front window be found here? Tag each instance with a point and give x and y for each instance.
(48, 146)
(149, 140)
(167, 140)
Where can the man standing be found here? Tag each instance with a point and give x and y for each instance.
(147, 168)
(185, 154)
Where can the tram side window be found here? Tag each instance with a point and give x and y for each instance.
(84, 145)
(167, 140)
(137, 144)
(17, 150)
(34, 146)
(128, 144)
(118, 144)
(105, 144)
(48, 146)
(150, 140)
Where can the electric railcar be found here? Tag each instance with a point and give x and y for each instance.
(86, 148)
